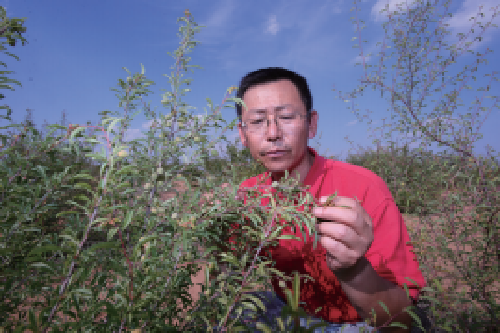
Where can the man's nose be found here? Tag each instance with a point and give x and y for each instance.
(273, 129)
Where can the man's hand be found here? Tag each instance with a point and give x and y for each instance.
(347, 233)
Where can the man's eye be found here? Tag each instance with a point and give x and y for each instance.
(256, 121)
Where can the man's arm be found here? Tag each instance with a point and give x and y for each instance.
(365, 288)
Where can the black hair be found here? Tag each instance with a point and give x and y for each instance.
(271, 74)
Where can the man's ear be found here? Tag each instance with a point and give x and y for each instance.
(313, 126)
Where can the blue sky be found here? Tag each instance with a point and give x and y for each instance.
(77, 49)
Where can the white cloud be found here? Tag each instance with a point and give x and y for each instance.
(307, 24)
(352, 123)
(331, 6)
(220, 17)
(272, 25)
(337, 7)
(448, 121)
(132, 134)
(461, 21)
(147, 124)
(217, 23)
(301, 28)
(394, 5)
(359, 59)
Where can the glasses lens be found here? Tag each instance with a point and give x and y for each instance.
(284, 120)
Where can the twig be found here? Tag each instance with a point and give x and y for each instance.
(245, 275)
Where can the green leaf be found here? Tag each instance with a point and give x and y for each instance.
(87, 292)
(83, 186)
(413, 315)
(67, 212)
(44, 248)
(104, 245)
(110, 127)
(384, 307)
(296, 288)
(412, 281)
(256, 300)
(263, 327)
(289, 237)
(76, 132)
(229, 258)
(430, 298)
(42, 265)
(69, 238)
(396, 324)
(112, 232)
(82, 198)
(33, 323)
(78, 205)
(76, 303)
(128, 218)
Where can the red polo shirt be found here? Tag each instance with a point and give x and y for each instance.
(389, 254)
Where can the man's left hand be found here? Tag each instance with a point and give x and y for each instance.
(346, 235)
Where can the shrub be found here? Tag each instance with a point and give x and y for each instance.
(137, 268)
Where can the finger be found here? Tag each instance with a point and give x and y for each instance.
(338, 232)
(332, 246)
(335, 251)
(340, 201)
(335, 214)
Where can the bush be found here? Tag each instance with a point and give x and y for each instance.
(140, 264)
(123, 252)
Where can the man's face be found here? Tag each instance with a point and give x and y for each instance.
(292, 141)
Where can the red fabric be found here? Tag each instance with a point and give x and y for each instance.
(389, 254)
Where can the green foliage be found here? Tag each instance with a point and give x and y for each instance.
(43, 178)
(454, 194)
(415, 178)
(121, 247)
(238, 165)
(11, 30)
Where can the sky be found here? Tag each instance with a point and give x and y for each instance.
(76, 52)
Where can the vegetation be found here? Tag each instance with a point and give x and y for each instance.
(87, 243)
(419, 69)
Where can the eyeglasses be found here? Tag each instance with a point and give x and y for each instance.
(285, 119)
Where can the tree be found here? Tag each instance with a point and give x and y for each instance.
(419, 69)
(11, 31)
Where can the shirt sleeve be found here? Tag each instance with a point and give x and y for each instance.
(390, 254)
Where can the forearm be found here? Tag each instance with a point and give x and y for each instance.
(365, 288)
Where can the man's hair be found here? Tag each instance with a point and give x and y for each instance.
(271, 74)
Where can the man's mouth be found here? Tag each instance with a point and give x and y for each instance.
(277, 153)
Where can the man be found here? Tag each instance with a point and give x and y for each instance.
(362, 256)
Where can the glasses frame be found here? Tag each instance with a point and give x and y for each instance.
(244, 124)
